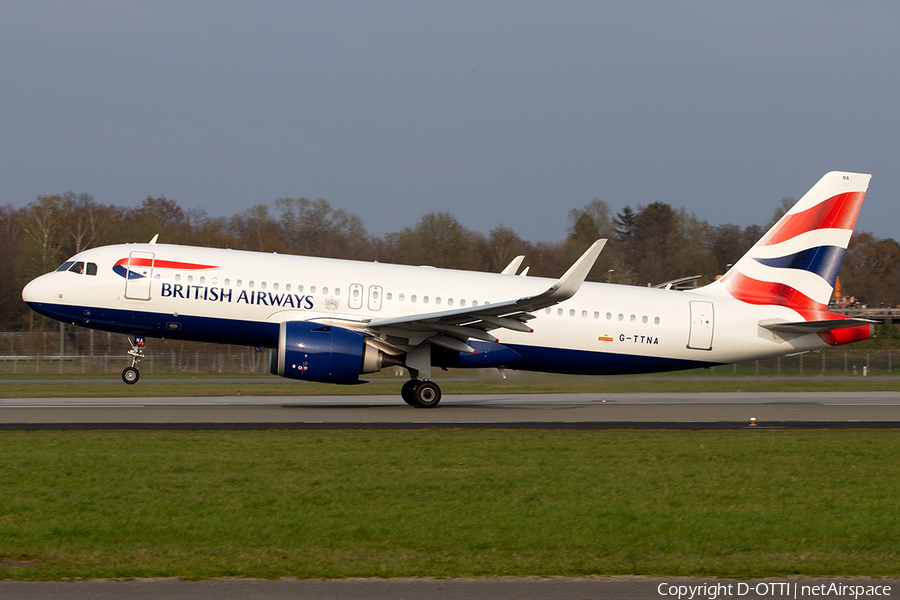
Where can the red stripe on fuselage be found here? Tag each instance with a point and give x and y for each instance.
(754, 291)
(162, 264)
(838, 212)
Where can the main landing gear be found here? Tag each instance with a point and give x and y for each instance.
(130, 375)
(421, 394)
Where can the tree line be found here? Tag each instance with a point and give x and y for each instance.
(647, 244)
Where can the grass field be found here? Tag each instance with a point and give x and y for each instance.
(449, 503)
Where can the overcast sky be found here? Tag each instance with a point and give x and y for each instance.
(507, 113)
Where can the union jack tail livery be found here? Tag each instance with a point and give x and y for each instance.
(796, 263)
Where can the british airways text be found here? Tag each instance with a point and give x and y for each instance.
(217, 294)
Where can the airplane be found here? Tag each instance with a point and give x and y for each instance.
(332, 320)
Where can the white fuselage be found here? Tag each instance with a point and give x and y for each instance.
(238, 297)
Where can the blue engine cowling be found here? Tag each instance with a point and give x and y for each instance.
(317, 352)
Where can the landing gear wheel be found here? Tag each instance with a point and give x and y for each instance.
(130, 375)
(427, 394)
(408, 392)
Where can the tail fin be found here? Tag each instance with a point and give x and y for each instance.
(796, 263)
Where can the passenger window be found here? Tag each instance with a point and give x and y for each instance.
(325, 290)
(287, 287)
(77, 268)
(92, 268)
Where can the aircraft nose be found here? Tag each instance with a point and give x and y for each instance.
(34, 290)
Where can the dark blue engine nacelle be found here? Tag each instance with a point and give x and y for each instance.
(317, 352)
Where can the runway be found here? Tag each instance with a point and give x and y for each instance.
(559, 411)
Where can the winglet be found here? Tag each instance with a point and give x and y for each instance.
(571, 281)
(513, 266)
(155, 237)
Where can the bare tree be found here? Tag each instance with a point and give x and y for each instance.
(42, 224)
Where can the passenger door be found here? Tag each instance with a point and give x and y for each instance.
(702, 324)
(138, 275)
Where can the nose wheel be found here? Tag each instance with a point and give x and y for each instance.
(131, 375)
(421, 394)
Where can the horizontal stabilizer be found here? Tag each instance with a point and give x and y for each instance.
(783, 326)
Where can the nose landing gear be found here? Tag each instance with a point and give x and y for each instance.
(130, 375)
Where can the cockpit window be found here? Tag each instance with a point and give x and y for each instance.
(77, 267)
(65, 266)
(92, 268)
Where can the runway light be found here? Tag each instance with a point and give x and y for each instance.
(752, 421)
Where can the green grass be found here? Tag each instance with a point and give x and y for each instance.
(450, 503)
(391, 386)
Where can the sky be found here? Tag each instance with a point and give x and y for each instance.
(498, 112)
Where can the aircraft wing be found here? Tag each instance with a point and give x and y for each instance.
(451, 328)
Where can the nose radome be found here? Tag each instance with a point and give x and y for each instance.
(34, 290)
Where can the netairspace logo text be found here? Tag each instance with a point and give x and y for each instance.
(786, 589)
